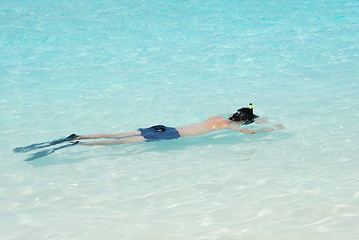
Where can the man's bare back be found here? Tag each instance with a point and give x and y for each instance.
(209, 125)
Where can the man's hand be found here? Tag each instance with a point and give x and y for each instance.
(278, 126)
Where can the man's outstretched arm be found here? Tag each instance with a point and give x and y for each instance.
(247, 131)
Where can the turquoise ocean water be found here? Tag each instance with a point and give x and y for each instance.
(113, 66)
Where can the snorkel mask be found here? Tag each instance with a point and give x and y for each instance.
(244, 114)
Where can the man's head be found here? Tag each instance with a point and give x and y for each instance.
(244, 115)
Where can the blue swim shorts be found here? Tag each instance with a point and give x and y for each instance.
(159, 132)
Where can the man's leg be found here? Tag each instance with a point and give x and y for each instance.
(113, 136)
(115, 142)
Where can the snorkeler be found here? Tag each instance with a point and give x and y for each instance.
(243, 116)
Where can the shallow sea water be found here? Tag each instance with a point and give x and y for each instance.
(113, 66)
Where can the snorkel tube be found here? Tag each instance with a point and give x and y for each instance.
(250, 117)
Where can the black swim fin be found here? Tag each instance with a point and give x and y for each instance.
(44, 144)
(48, 151)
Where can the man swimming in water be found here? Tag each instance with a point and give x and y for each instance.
(243, 116)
